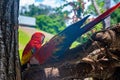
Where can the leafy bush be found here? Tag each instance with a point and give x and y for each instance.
(49, 24)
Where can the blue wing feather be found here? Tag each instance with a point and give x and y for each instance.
(68, 36)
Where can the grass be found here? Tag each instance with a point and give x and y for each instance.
(23, 37)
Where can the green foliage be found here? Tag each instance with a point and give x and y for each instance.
(74, 44)
(34, 10)
(51, 24)
(91, 9)
(98, 27)
(84, 38)
(76, 7)
(115, 17)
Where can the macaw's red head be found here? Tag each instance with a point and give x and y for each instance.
(32, 47)
(38, 37)
(36, 41)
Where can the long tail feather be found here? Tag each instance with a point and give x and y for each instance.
(99, 18)
(67, 36)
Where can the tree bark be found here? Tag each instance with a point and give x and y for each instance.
(98, 12)
(9, 58)
(107, 6)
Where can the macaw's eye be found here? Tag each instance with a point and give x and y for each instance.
(42, 39)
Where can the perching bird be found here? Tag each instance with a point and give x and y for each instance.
(63, 40)
(32, 47)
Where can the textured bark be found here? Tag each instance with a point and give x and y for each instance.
(98, 58)
(9, 59)
(96, 7)
(98, 12)
(107, 6)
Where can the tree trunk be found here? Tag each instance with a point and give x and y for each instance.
(9, 58)
(107, 6)
(98, 12)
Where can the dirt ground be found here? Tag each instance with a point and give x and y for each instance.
(30, 31)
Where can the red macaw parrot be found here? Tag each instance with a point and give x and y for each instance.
(32, 47)
(63, 40)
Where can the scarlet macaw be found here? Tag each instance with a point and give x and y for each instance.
(32, 47)
(63, 40)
